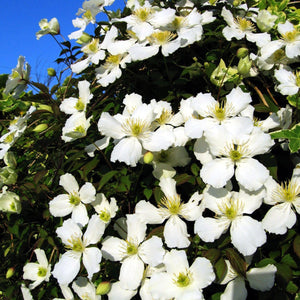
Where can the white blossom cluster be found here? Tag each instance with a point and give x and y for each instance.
(226, 139)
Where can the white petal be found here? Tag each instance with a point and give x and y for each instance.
(69, 183)
(87, 193)
(161, 286)
(210, 229)
(94, 230)
(131, 272)
(114, 248)
(262, 279)
(67, 230)
(83, 287)
(60, 206)
(67, 268)
(238, 100)
(30, 271)
(41, 257)
(136, 229)
(79, 215)
(202, 151)
(109, 126)
(247, 234)
(251, 173)
(217, 172)
(148, 213)
(194, 128)
(176, 261)
(203, 272)
(279, 218)
(168, 187)
(151, 251)
(128, 150)
(91, 259)
(117, 292)
(175, 233)
(235, 290)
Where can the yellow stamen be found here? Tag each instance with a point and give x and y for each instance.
(244, 24)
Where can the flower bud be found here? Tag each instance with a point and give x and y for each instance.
(244, 66)
(9, 201)
(51, 72)
(44, 107)
(10, 159)
(10, 272)
(148, 157)
(84, 39)
(242, 52)
(40, 128)
(103, 288)
(8, 176)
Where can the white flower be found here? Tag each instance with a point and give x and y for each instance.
(289, 81)
(85, 289)
(133, 252)
(104, 209)
(232, 153)
(71, 235)
(213, 113)
(73, 105)
(284, 198)
(18, 79)
(181, 281)
(246, 233)
(39, 271)
(51, 27)
(171, 209)
(76, 127)
(117, 292)
(261, 279)
(26, 292)
(290, 40)
(74, 201)
(241, 27)
(10, 201)
(265, 21)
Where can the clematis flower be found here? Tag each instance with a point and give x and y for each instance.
(51, 27)
(290, 41)
(18, 79)
(230, 208)
(289, 81)
(232, 153)
(39, 271)
(133, 252)
(285, 199)
(71, 235)
(241, 27)
(74, 201)
(181, 281)
(261, 279)
(9, 201)
(173, 210)
(73, 105)
(117, 292)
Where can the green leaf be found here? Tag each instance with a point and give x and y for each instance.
(264, 262)
(105, 178)
(236, 261)
(291, 288)
(284, 274)
(293, 135)
(220, 268)
(212, 254)
(147, 193)
(41, 87)
(288, 260)
(296, 245)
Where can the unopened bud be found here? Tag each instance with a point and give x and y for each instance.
(51, 72)
(10, 272)
(103, 288)
(244, 66)
(44, 107)
(242, 52)
(40, 128)
(148, 157)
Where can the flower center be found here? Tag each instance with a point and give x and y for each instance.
(164, 117)
(219, 112)
(290, 36)
(76, 244)
(74, 199)
(235, 155)
(230, 208)
(131, 248)
(288, 191)
(92, 47)
(161, 37)
(297, 75)
(143, 14)
(244, 24)
(112, 61)
(88, 15)
(104, 216)
(80, 129)
(183, 279)
(80, 106)
(10, 138)
(178, 22)
(172, 204)
(42, 272)
(135, 127)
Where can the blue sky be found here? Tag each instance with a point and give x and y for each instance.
(19, 22)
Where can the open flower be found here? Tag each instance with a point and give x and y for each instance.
(133, 252)
(289, 81)
(51, 27)
(39, 271)
(74, 201)
(173, 210)
(230, 208)
(71, 235)
(181, 281)
(285, 198)
(85, 289)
